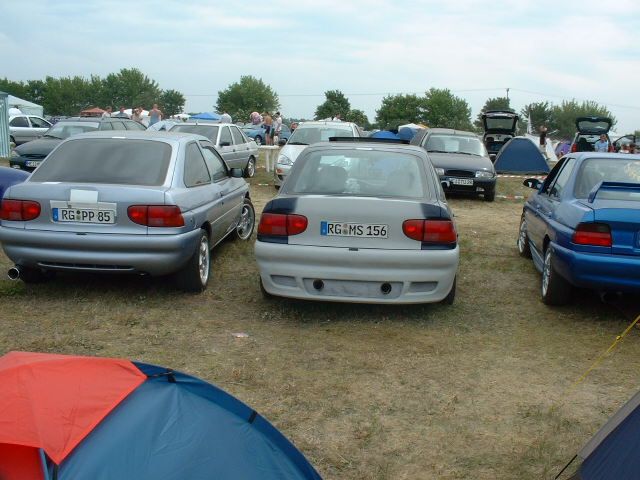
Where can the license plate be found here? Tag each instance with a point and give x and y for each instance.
(32, 164)
(83, 215)
(462, 181)
(364, 230)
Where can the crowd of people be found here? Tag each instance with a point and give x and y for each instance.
(155, 114)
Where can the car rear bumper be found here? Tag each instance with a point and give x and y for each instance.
(415, 276)
(598, 271)
(22, 162)
(114, 253)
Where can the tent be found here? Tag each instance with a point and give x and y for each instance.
(25, 106)
(385, 134)
(520, 155)
(206, 116)
(68, 417)
(612, 453)
(406, 133)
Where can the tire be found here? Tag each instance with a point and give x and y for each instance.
(524, 249)
(490, 196)
(247, 221)
(555, 289)
(448, 300)
(258, 140)
(194, 276)
(250, 169)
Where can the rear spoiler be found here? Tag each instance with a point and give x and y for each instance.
(612, 186)
(368, 140)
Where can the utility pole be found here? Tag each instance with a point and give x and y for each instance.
(508, 93)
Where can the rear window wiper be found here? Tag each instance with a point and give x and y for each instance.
(438, 151)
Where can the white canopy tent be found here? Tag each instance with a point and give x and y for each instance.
(25, 106)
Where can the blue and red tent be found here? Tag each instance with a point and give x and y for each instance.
(68, 417)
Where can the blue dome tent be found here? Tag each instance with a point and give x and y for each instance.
(205, 116)
(520, 155)
(385, 134)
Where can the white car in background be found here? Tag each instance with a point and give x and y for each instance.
(359, 221)
(24, 128)
(307, 134)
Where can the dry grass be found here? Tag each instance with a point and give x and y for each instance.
(367, 392)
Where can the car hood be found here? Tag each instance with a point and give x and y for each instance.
(292, 151)
(593, 125)
(457, 161)
(41, 146)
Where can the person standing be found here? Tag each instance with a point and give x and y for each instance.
(225, 117)
(137, 114)
(268, 125)
(602, 145)
(121, 113)
(277, 125)
(107, 112)
(155, 115)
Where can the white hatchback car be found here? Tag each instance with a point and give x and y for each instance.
(359, 221)
(308, 133)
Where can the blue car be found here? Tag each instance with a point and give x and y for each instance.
(257, 133)
(10, 176)
(582, 225)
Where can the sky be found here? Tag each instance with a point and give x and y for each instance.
(542, 51)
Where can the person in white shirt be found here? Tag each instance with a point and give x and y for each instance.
(225, 118)
(277, 125)
(107, 112)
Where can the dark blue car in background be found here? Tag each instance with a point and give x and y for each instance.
(257, 132)
(582, 226)
(10, 176)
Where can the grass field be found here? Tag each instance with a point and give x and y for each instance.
(474, 390)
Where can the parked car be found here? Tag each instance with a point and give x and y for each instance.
(139, 202)
(258, 133)
(359, 222)
(306, 134)
(581, 225)
(24, 128)
(29, 156)
(588, 133)
(460, 160)
(163, 125)
(499, 127)
(234, 146)
(10, 176)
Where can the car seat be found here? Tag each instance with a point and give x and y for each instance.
(584, 145)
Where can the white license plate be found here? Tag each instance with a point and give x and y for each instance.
(462, 181)
(364, 230)
(32, 164)
(83, 215)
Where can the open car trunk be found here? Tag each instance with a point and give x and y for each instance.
(593, 125)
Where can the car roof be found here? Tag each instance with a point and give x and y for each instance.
(451, 131)
(386, 146)
(324, 122)
(93, 119)
(207, 122)
(163, 136)
(613, 156)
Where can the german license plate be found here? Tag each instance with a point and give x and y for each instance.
(364, 230)
(32, 164)
(83, 215)
(462, 181)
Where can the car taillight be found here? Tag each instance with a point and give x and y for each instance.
(281, 225)
(596, 234)
(19, 210)
(430, 231)
(156, 215)
(574, 148)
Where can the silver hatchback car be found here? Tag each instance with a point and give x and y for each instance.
(136, 202)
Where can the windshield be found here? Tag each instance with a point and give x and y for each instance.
(497, 123)
(596, 170)
(596, 125)
(106, 160)
(66, 129)
(306, 135)
(455, 144)
(358, 173)
(209, 131)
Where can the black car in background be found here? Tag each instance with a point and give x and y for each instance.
(499, 128)
(29, 155)
(461, 161)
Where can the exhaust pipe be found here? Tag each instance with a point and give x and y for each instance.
(14, 273)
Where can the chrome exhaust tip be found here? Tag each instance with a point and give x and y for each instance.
(14, 273)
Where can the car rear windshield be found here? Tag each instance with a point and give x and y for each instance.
(500, 123)
(209, 131)
(66, 129)
(358, 172)
(455, 144)
(594, 126)
(106, 160)
(319, 133)
(596, 170)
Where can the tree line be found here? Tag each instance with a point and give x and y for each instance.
(70, 95)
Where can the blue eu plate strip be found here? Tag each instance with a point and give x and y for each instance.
(323, 228)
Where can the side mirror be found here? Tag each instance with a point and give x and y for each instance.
(282, 142)
(532, 183)
(236, 172)
(225, 144)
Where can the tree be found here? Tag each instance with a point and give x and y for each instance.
(496, 103)
(171, 102)
(541, 113)
(565, 114)
(248, 95)
(335, 104)
(444, 109)
(399, 109)
(359, 118)
(17, 89)
(130, 88)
